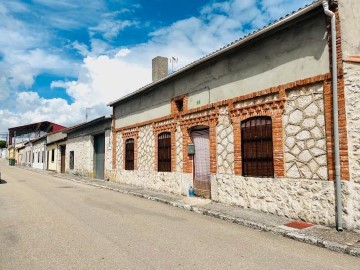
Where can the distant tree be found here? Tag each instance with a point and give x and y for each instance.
(2, 144)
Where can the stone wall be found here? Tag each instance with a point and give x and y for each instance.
(119, 151)
(225, 143)
(179, 149)
(309, 200)
(352, 103)
(146, 145)
(108, 172)
(83, 148)
(304, 134)
(174, 182)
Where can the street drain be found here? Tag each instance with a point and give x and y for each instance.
(65, 187)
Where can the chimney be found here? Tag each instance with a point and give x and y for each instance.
(159, 68)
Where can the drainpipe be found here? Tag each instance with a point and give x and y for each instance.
(336, 117)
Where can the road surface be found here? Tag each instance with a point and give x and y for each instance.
(51, 223)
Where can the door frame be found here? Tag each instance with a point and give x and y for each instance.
(62, 158)
(202, 188)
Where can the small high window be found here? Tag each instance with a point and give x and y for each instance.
(257, 147)
(129, 154)
(164, 152)
(52, 155)
(179, 105)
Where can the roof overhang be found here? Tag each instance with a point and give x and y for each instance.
(87, 124)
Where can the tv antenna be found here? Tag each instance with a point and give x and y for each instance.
(87, 109)
(173, 61)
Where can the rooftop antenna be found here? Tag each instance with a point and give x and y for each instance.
(86, 113)
(173, 61)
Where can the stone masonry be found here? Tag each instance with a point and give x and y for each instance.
(146, 146)
(119, 150)
(304, 128)
(352, 101)
(225, 143)
(83, 156)
(179, 150)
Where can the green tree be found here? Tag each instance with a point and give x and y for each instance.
(2, 144)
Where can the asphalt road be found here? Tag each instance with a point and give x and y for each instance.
(51, 223)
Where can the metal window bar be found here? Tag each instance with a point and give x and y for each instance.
(257, 147)
(129, 154)
(164, 152)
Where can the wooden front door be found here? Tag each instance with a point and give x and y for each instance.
(202, 183)
(62, 160)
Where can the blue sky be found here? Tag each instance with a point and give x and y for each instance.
(59, 57)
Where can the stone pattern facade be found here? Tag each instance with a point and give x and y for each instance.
(83, 148)
(257, 100)
(146, 145)
(225, 143)
(352, 101)
(179, 149)
(119, 150)
(108, 172)
(305, 140)
(176, 183)
(310, 200)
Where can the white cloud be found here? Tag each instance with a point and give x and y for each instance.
(107, 73)
(103, 79)
(110, 28)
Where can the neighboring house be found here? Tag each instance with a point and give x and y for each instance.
(21, 159)
(252, 123)
(88, 148)
(22, 156)
(56, 150)
(11, 152)
(38, 152)
(4, 153)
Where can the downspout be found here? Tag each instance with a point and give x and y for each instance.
(334, 77)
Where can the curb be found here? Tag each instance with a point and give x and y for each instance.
(295, 235)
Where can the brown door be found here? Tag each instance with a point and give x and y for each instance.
(202, 184)
(62, 161)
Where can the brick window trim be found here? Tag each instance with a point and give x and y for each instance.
(273, 109)
(157, 132)
(130, 134)
(174, 105)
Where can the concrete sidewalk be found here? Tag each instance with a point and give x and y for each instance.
(345, 242)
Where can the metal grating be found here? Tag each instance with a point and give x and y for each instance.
(164, 152)
(129, 154)
(257, 147)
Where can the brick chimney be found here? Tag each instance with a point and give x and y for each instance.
(159, 68)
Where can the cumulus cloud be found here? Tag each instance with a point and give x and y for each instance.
(108, 72)
(105, 78)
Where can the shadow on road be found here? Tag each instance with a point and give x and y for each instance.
(2, 181)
